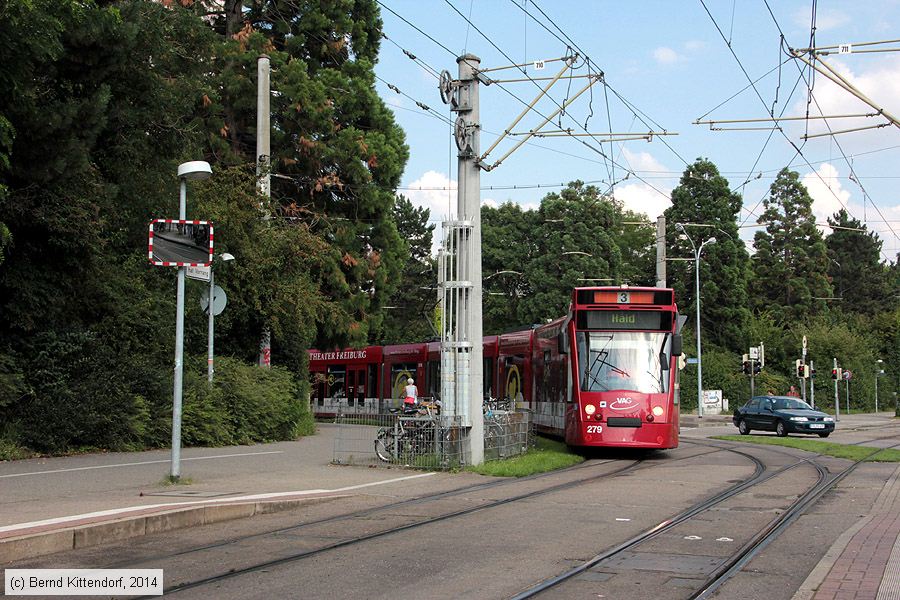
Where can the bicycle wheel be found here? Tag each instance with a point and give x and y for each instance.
(385, 444)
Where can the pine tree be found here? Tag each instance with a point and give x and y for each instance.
(857, 274)
(336, 147)
(791, 261)
(703, 199)
(411, 313)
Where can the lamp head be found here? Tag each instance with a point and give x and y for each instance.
(195, 169)
(226, 257)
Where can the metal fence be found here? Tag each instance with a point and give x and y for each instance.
(506, 434)
(425, 441)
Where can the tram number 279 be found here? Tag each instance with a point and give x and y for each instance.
(595, 429)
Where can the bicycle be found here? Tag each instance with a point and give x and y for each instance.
(413, 434)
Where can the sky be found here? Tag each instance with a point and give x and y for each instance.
(666, 64)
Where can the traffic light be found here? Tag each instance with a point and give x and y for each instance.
(812, 373)
(798, 368)
(745, 365)
(757, 368)
(836, 373)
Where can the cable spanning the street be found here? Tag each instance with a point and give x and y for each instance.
(798, 149)
(561, 107)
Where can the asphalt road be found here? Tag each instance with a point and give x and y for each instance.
(494, 552)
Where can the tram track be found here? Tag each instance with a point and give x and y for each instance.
(735, 562)
(632, 466)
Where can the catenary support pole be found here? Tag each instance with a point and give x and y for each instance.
(469, 209)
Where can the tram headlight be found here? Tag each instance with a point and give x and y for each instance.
(590, 409)
(658, 411)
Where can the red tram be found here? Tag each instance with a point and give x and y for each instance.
(606, 374)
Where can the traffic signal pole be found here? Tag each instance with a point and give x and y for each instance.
(837, 401)
(812, 385)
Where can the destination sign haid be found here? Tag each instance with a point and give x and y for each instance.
(622, 319)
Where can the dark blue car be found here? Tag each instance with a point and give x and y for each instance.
(783, 415)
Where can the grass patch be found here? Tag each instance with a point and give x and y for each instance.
(547, 455)
(828, 448)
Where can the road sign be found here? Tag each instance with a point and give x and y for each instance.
(754, 353)
(847, 374)
(692, 361)
(200, 273)
(219, 300)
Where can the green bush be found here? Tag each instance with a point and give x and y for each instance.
(246, 404)
(74, 399)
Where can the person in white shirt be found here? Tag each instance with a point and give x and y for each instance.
(412, 392)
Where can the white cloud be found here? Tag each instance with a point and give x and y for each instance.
(829, 197)
(665, 55)
(880, 83)
(695, 45)
(826, 191)
(639, 196)
(434, 191)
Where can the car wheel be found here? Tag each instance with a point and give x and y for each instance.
(780, 429)
(743, 428)
(824, 435)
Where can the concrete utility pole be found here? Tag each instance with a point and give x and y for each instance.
(263, 163)
(661, 251)
(461, 331)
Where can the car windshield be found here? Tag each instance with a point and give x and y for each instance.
(623, 360)
(791, 404)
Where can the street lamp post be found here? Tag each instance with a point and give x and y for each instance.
(212, 315)
(697, 251)
(196, 169)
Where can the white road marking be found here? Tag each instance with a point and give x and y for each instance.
(620, 519)
(693, 537)
(134, 464)
(236, 499)
(724, 539)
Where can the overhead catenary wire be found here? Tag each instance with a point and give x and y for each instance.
(744, 71)
(506, 55)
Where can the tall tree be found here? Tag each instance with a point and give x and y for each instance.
(705, 205)
(575, 247)
(857, 274)
(791, 261)
(336, 147)
(510, 242)
(409, 316)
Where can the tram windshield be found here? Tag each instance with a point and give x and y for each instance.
(623, 360)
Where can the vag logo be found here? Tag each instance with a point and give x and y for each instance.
(623, 403)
